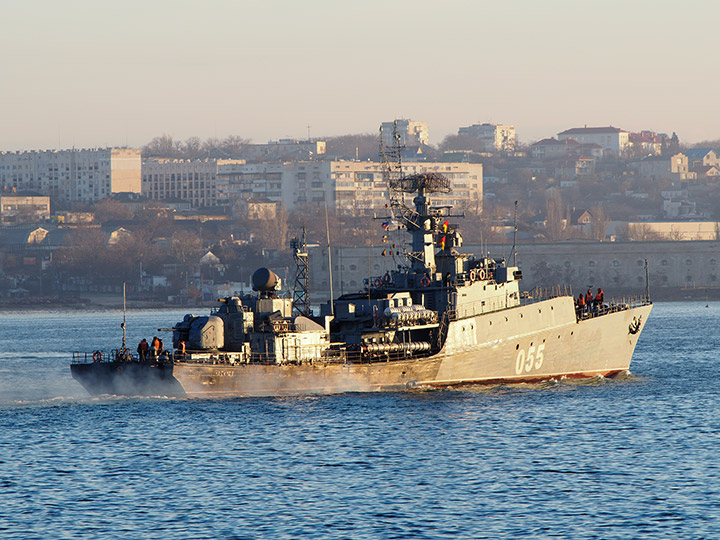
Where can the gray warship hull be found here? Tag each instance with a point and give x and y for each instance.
(530, 343)
(442, 318)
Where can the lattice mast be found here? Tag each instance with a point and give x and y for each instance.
(424, 222)
(301, 289)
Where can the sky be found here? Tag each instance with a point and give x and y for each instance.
(96, 73)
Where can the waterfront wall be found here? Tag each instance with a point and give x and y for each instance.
(676, 269)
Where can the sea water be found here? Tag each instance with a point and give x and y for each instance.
(631, 458)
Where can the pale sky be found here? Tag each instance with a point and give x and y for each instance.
(89, 73)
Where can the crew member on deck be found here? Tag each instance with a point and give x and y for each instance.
(599, 299)
(580, 305)
(142, 349)
(589, 300)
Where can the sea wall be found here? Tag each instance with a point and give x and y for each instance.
(676, 269)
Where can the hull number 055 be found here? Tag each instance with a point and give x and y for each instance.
(533, 359)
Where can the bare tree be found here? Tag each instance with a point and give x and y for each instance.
(599, 223)
(192, 147)
(110, 210)
(234, 145)
(642, 232)
(162, 146)
(555, 215)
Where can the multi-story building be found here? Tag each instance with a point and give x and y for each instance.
(614, 141)
(408, 132)
(663, 167)
(86, 175)
(192, 180)
(492, 136)
(349, 187)
(24, 207)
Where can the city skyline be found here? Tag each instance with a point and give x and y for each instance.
(89, 74)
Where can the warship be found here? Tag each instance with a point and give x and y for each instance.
(442, 318)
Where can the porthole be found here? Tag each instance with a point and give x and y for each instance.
(517, 346)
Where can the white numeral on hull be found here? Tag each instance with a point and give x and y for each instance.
(532, 359)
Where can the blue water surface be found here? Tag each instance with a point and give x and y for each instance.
(633, 458)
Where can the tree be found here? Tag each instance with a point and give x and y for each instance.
(162, 146)
(111, 210)
(364, 145)
(599, 223)
(642, 232)
(554, 215)
(462, 142)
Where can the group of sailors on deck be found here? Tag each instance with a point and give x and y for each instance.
(151, 351)
(588, 303)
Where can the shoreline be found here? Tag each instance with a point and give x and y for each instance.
(113, 302)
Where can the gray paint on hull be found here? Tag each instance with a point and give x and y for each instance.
(481, 349)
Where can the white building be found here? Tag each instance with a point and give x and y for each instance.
(409, 133)
(192, 180)
(86, 175)
(493, 136)
(614, 141)
(350, 187)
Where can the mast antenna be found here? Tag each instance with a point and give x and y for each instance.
(327, 230)
(514, 248)
(123, 323)
(301, 290)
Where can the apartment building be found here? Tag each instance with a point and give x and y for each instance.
(84, 175)
(409, 133)
(192, 180)
(494, 137)
(349, 187)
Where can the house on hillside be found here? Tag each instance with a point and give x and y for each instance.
(614, 141)
(552, 148)
(707, 172)
(664, 167)
(698, 157)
